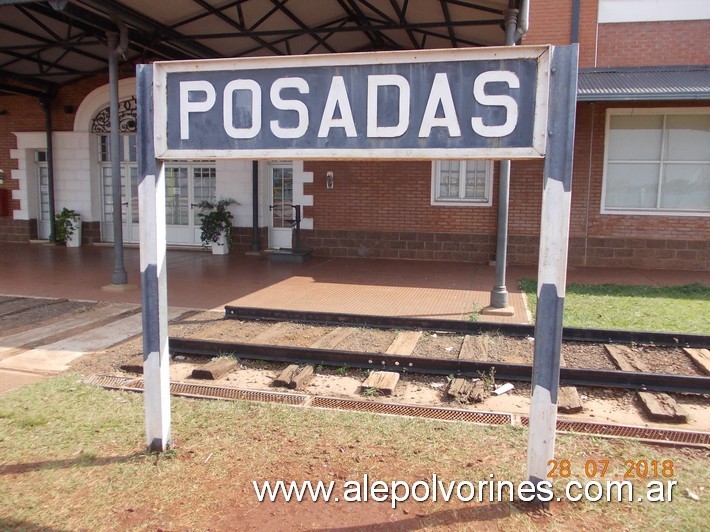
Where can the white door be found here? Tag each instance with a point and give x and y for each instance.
(43, 221)
(129, 196)
(186, 185)
(280, 228)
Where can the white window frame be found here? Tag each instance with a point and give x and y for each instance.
(655, 111)
(612, 11)
(461, 201)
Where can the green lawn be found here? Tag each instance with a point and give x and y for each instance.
(72, 458)
(683, 309)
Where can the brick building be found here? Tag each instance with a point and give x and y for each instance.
(641, 185)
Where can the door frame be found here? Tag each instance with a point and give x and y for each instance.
(279, 237)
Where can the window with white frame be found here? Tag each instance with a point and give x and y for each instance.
(657, 161)
(461, 182)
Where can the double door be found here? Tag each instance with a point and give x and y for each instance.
(187, 183)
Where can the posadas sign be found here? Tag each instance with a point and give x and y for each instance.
(465, 103)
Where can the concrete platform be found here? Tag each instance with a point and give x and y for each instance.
(55, 357)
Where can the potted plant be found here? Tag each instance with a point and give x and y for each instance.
(216, 225)
(67, 227)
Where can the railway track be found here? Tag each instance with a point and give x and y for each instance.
(465, 358)
(338, 355)
(467, 327)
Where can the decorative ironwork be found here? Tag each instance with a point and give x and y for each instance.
(126, 118)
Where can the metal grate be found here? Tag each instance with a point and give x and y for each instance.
(235, 394)
(628, 431)
(200, 391)
(114, 382)
(444, 414)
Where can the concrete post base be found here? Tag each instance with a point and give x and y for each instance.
(494, 311)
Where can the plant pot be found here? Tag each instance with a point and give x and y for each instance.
(220, 247)
(74, 240)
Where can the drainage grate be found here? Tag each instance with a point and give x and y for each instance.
(115, 383)
(628, 431)
(200, 391)
(235, 394)
(444, 414)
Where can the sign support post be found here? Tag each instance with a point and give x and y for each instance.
(552, 265)
(520, 104)
(154, 296)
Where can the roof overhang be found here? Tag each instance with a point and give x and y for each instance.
(644, 83)
(44, 46)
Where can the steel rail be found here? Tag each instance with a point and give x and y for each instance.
(574, 334)
(657, 382)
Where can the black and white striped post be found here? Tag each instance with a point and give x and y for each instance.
(537, 109)
(552, 266)
(151, 206)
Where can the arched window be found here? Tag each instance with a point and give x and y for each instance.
(101, 123)
(128, 155)
(187, 183)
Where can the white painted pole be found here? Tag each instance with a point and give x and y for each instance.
(552, 266)
(151, 206)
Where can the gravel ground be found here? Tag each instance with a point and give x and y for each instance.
(212, 326)
(26, 319)
(438, 345)
(603, 405)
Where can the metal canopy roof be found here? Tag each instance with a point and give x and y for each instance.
(43, 48)
(649, 83)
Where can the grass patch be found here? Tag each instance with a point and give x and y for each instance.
(86, 468)
(682, 309)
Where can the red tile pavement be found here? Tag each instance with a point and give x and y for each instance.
(11, 379)
(197, 279)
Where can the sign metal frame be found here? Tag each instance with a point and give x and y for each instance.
(291, 65)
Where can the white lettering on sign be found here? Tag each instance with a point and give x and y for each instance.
(503, 100)
(230, 91)
(199, 97)
(337, 97)
(187, 107)
(440, 94)
(374, 82)
(301, 85)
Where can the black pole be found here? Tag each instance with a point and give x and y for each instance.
(499, 294)
(46, 104)
(119, 271)
(297, 208)
(255, 205)
(575, 21)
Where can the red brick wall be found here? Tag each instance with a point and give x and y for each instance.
(24, 113)
(619, 44)
(386, 195)
(598, 225)
(551, 23)
(383, 209)
(654, 43)
(17, 231)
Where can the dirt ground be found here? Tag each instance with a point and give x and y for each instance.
(206, 477)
